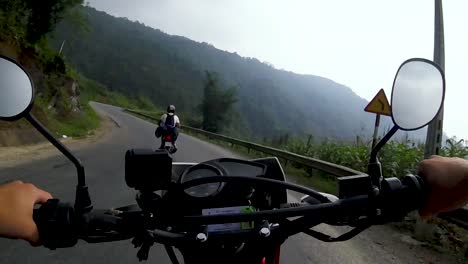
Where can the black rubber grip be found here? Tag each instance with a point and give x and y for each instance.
(56, 224)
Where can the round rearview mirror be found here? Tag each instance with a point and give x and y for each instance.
(418, 94)
(16, 90)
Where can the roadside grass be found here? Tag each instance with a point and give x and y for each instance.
(85, 122)
(75, 125)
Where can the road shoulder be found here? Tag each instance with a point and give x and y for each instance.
(17, 155)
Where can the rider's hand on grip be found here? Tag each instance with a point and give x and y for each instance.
(447, 182)
(17, 200)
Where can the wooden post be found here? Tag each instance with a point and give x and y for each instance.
(309, 141)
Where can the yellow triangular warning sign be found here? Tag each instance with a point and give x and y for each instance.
(379, 104)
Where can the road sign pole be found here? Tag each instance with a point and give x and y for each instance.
(378, 105)
(376, 130)
(435, 129)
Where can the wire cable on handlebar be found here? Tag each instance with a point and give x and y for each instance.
(319, 210)
(256, 181)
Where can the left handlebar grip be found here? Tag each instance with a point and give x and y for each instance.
(56, 223)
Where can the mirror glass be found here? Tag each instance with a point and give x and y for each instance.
(418, 94)
(16, 91)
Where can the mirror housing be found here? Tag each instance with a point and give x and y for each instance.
(16, 90)
(418, 94)
(414, 78)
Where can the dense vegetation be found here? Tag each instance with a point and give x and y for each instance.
(142, 66)
(398, 157)
(216, 104)
(62, 94)
(137, 60)
(23, 29)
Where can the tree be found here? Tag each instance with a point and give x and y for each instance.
(31, 20)
(44, 15)
(216, 104)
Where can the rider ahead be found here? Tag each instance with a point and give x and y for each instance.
(168, 125)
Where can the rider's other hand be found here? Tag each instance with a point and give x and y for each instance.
(446, 182)
(17, 200)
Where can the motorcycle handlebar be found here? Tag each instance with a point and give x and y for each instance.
(59, 226)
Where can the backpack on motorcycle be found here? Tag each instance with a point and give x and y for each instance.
(170, 121)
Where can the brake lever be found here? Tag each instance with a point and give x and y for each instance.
(144, 241)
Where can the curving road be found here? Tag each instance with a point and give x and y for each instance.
(104, 163)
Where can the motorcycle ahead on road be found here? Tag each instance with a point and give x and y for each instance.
(171, 149)
(166, 140)
(230, 210)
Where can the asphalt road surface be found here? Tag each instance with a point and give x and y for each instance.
(104, 163)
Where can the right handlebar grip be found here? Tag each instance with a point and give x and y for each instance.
(56, 224)
(399, 197)
(416, 190)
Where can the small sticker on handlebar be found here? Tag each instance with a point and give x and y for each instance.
(229, 227)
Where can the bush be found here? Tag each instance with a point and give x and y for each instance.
(398, 158)
(455, 148)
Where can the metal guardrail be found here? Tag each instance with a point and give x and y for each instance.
(459, 217)
(331, 168)
(327, 167)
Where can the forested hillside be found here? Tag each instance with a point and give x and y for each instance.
(62, 94)
(140, 61)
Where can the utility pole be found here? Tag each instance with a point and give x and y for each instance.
(61, 47)
(424, 230)
(435, 129)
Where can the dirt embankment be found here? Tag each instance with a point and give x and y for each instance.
(19, 137)
(11, 156)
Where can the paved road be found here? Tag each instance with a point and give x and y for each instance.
(104, 164)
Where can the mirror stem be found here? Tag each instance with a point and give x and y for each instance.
(385, 139)
(82, 199)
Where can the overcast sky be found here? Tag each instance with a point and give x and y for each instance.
(358, 43)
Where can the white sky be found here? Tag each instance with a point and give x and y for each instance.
(358, 43)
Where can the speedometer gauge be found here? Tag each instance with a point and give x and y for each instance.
(202, 171)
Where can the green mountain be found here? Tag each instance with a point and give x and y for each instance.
(140, 61)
